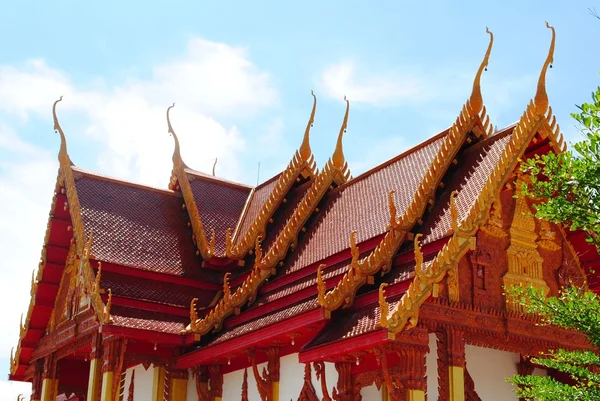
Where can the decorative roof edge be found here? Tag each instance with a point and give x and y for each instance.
(204, 248)
(380, 259)
(534, 119)
(303, 161)
(265, 266)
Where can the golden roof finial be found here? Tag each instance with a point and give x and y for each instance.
(215, 166)
(193, 313)
(418, 253)
(454, 211)
(63, 155)
(476, 100)
(176, 152)
(541, 97)
(305, 151)
(321, 286)
(353, 248)
(338, 155)
(384, 308)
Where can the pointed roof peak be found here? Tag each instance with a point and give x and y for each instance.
(476, 100)
(338, 155)
(177, 160)
(63, 155)
(305, 150)
(541, 97)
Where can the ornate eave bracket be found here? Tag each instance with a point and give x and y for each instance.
(380, 259)
(205, 248)
(302, 164)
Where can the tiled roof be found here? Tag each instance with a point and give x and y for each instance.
(475, 166)
(259, 197)
(148, 320)
(351, 323)
(362, 205)
(154, 291)
(220, 204)
(136, 226)
(264, 321)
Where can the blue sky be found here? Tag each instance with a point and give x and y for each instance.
(241, 74)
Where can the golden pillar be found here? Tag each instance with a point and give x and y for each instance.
(94, 380)
(454, 346)
(158, 383)
(178, 380)
(113, 353)
(216, 381)
(49, 390)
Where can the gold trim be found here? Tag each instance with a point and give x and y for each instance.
(303, 162)
(338, 155)
(541, 97)
(265, 266)
(179, 175)
(380, 259)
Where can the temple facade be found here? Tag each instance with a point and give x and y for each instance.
(314, 285)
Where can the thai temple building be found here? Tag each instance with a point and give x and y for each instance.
(312, 286)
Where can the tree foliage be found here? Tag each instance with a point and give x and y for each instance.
(569, 183)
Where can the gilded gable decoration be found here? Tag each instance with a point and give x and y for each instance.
(380, 259)
(205, 248)
(302, 163)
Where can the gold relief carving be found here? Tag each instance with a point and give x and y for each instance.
(265, 266)
(303, 162)
(380, 259)
(205, 248)
(494, 225)
(524, 260)
(547, 239)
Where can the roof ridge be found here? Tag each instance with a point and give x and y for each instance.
(208, 177)
(116, 180)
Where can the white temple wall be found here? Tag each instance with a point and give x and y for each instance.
(142, 386)
(370, 393)
(432, 369)
(291, 377)
(489, 369)
(192, 395)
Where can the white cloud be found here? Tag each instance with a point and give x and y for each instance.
(126, 125)
(345, 79)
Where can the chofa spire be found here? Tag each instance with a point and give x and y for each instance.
(476, 100)
(63, 155)
(338, 155)
(177, 160)
(541, 97)
(305, 151)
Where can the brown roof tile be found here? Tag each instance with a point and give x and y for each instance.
(148, 320)
(136, 226)
(220, 204)
(362, 205)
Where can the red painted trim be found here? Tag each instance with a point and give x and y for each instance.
(372, 297)
(144, 335)
(343, 347)
(147, 305)
(207, 354)
(169, 278)
(430, 249)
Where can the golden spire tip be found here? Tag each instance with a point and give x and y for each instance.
(305, 150)
(338, 155)
(63, 156)
(176, 152)
(541, 97)
(476, 100)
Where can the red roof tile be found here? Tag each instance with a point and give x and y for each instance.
(220, 204)
(154, 291)
(136, 226)
(148, 320)
(259, 197)
(362, 204)
(475, 166)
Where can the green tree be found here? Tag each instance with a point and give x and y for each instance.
(568, 185)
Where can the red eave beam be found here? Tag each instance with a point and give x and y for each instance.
(246, 341)
(145, 335)
(335, 349)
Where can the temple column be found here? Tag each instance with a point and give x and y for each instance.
(178, 383)
(414, 373)
(36, 382)
(455, 358)
(113, 353)
(344, 384)
(94, 381)
(49, 379)
(273, 368)
(158, 383)
(216, 382)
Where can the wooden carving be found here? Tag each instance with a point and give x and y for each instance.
(245, 386)
(201, 378)
(320, 373)
(131, 387)
(270, 374)
(470, 393)
(307, 393)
